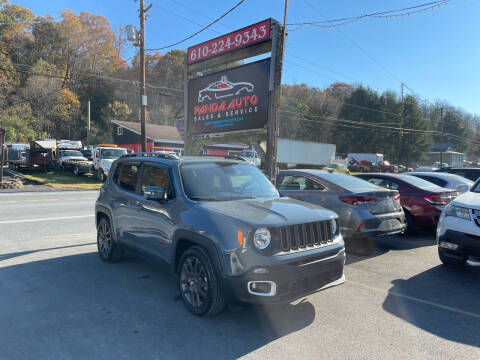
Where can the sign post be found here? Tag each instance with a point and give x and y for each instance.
(240, 99)
(2, 142)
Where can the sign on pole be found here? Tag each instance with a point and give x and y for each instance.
(231, 100)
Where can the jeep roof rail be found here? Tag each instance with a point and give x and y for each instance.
(169, 156)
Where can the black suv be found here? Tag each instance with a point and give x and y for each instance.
(221, 226)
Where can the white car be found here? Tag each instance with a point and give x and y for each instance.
(252, 157)
(458, 231)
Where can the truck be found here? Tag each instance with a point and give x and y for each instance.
(294, 153)
(68, 152)
(364, 162)
(103, 157)
(16, 155)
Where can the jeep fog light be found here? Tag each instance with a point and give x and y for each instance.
(448, 245)
(261, 238)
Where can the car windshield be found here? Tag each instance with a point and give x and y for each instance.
(71, 153)
(113, 153)
(222, 181)
(420, 183)
(248, 153)
(345, 181)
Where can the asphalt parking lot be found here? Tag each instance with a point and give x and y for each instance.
(58, 300)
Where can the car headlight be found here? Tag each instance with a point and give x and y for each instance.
(334, 226)
(261, 238)
(457, 211)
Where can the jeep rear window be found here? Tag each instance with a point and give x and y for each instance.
(221, 181)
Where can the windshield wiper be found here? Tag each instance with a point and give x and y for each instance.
(205, 198)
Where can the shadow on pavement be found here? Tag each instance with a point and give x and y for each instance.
(21, 253)
(79, 307)
(379, 245)
(442, 301)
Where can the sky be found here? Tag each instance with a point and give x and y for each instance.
(436, 53)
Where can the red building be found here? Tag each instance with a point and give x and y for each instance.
(127, 134)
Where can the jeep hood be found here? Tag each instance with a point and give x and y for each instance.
(269, 212)
(79, 158)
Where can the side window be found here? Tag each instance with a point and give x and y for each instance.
(157, 176)
(434, 180)
(128, 177)
(116, 175)
(385, 183)
(299, 183)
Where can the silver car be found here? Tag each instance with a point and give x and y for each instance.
(446, 180)
(363, 209)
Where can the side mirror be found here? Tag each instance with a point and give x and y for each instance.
(154, 193)
(462, 188)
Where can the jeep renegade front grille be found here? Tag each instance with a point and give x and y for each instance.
(302, 236)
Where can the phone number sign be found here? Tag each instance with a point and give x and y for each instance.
(238, 39)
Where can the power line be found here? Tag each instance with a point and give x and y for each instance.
(201, 14)
(201, 30)
(382, 14)
(186, 19)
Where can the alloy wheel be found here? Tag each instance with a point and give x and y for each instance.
(105, 239)
(194, 282)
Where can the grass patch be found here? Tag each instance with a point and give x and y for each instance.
(64, 180)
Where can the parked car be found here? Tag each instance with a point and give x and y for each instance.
(449, 181)
(67, 155)
(471, 173)
(251, 156)
(341, 168)
(363, 209)
(422, 201)
(221, 226)
(385, 166)
(458, 231)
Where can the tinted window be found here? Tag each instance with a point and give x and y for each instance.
(128, 177)
(157, 176)
(342, 180)
(385, 183)
(432, 179)
(225, 181)
(113, 153)
(420, 183)
(296, 182)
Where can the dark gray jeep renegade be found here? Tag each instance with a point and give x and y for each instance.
(221, 226)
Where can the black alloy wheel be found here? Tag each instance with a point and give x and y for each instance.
(107, 249)
(198, 283)
(455, 260)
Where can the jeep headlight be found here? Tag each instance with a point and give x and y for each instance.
(457, 211)
(334, 226)
(261, 238)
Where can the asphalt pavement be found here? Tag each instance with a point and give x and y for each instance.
(59, 301)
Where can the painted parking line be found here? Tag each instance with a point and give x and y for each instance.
(46, 200)
(47, 219)
(412, 298)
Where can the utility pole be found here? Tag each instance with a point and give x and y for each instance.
(274, 98)
(88, 123)
(402, 85)
(143, 92)
(442, 136)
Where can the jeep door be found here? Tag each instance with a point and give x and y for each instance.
(124, 200)
(153, 220)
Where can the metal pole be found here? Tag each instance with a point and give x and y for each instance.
(443, 137)
(143, 93)
(273, 123)
(88, 123)
(2, 140)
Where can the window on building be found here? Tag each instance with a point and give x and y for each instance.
(119, 131)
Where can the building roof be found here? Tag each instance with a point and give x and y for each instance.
(154, 132)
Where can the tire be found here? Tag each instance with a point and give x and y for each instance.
(100, 175)
(451, 261)
(108, 250)
(199, 283)
(410, 223)
(76, 171)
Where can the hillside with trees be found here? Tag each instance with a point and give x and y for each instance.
(50, 69)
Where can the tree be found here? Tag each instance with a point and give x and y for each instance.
(18, 121)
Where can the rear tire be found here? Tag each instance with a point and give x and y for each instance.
(410, 223)
(108, 250)
(199, 283)
(451, 261)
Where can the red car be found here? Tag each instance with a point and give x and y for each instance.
(422, 201)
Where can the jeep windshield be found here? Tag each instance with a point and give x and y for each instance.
(223, 181)
(113, 153)
(71, 153)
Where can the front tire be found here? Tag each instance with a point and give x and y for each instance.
(451, 261)
(76, 171)
(199, 283)
(108, 250)
(101, 175)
